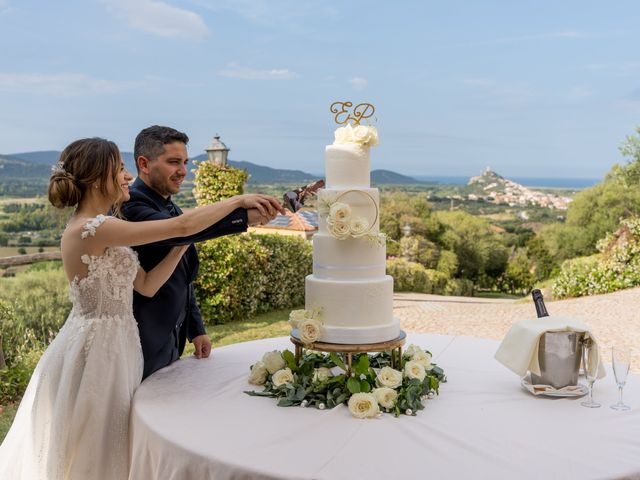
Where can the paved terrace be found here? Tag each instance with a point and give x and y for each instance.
(614, 318)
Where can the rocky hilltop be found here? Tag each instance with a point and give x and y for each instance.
(494, 188)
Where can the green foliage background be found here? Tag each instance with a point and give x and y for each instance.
(247, 274)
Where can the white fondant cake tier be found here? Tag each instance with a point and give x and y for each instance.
(347, 166)
(364, 202)
(354, 311)
(349, 259)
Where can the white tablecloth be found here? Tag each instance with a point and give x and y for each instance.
(192, 420)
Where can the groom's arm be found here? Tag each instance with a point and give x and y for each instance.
(137, 210)
(195, 325)
(196, 332)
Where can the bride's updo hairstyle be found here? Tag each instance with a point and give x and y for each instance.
(83, 163)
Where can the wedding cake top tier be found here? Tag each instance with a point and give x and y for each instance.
(347, 161)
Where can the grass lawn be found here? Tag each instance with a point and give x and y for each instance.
(272, 324)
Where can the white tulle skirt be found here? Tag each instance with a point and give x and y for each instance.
(73, 421)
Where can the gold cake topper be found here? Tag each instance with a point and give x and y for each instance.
(343, 115)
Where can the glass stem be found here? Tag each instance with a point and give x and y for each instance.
(620, 396)
(590, 391)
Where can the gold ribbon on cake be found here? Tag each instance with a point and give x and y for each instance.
(343, 113)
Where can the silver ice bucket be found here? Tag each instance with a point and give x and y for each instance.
(559, 355)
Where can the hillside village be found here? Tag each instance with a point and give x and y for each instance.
(492, 187)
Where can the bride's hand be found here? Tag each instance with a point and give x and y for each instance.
(267, 205)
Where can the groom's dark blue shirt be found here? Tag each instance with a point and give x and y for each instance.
(172, 315)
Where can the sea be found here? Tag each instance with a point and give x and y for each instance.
(543, 182)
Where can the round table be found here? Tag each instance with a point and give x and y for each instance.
(192, 420)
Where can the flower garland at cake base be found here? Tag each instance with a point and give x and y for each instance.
(374, 387)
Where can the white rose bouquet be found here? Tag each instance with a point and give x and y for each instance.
(358, 226)
(259, 373)
(389, 377)
(364, 405)
(364, 135)
(339, 212)
(273, 361)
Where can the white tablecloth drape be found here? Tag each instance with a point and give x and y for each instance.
(192, 420)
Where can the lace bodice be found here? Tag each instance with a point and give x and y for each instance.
(107, 290)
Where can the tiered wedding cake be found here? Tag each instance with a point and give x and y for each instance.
(349, 285)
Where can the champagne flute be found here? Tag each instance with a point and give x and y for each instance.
(589, 354)
(621, 360)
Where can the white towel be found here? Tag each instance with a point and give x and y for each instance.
(519, 348)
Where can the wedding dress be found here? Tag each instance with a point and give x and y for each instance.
(73, 421)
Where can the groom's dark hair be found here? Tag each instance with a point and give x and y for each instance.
(150, 142)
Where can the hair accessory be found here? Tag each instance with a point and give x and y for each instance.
(58, 168)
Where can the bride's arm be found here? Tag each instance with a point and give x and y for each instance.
(148, 283)
(116, 232)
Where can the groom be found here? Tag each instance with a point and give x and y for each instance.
(172, 316)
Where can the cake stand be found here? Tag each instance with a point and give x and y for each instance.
(395, 346)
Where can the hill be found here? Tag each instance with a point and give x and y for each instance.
(38, 164)
(12, 167)
(387, 177)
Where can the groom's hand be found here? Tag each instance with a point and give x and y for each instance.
(254, 217)
(202, 344)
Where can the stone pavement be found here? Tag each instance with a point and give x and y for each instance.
(614, 318)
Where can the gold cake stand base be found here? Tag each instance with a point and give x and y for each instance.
(347, 350)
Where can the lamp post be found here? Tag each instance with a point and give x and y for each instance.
(218, 151)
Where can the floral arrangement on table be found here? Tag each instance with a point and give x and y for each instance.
(341, 222)
(374, 387)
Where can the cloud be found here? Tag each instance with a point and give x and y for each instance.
(64, 84)
(159, 18)
(245, 73)
(358, 83)
(280, 13)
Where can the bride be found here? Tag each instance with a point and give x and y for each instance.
(73, 420)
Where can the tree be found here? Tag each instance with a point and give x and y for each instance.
(481, 255)
(598, 210)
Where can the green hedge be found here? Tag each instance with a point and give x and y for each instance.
(413, 277)
(243, 275)
(616, 267)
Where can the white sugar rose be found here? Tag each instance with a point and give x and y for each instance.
(258, 375)
(340, 212)
(365, 135)
(364, 405)
(358, 226)
(282, 376)
(321, 374)
(310, 330)
(343, 135)
(423, 358)
(386, 396)
(273, 361)
(413, 369)
(296, 316)
(340, 230)
(412, 349)
(389, 377)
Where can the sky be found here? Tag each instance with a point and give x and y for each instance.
(528, 88)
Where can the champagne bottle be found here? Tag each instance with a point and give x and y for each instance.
(538, 301)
